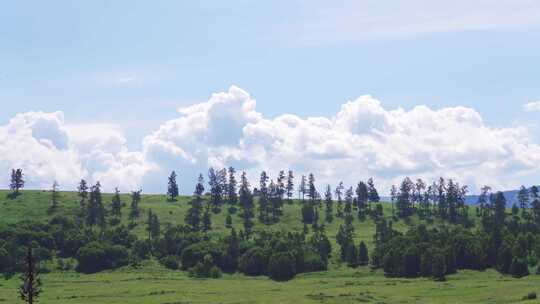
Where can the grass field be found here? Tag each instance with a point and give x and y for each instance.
(152, 283)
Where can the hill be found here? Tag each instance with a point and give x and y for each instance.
(152, 283)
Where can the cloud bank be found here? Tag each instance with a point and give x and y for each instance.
(362, 139)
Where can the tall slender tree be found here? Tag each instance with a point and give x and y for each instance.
(55, 197)
(232, 196)
(339, 198)
(263, 198)
(290, 186)
(95, 213)
(116, 204)
(17, 181)
(82, 192)
(172, 187)
(135, 211)
(329, 211)
(193, 215)
(246, 203)
(30, 288)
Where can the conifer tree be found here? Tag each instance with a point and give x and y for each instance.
(116, 204)
(263, 198)
(339, 197)
(302, 188)
(216, 191)
(82, 192)
(363, 257)
(290, 186)
(55, 197)
(362, 196)
(329, 211)
(207, 218)
(135, 211)
(30, 288)
(246, 203)
(373, 194)
(172, 187)
(194, 213)
(95, 213)
(232, 196)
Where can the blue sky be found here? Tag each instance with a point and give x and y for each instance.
(133, 63)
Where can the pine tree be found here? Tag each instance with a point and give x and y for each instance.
(363, 257)
(403, 204)
(373, 194)
(207, 219)
(329, 211)
(339, 197)
(172, 187)
(82, 190)
(194, 213)
(216, 191)
(153, 226)
(302, 188)
(232, 196)
(55, 197)
(500, 209)
(246, 203)
(116, 205)
(393, 198)
(17, 181)
(362, 196)
(290, 186)
(95, 213)
(30, 288)
(263, 198)
(135, 211)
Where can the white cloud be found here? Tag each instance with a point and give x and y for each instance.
(350, 20)
(47, 149)
(532, 106)
(361, 140)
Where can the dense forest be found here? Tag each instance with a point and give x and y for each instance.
(449, 237)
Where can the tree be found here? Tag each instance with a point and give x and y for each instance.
(500, 208)
(207, 219)
(246, 203)
(193, 215)
(404, 207)
(17, 181)
(393, 197)
(523, 198)
(116, 205)
(263, 198)
(362, 196)
(339, 197)
(373, 194)
(55, 197)
(363, 257)
(95, 213)
(290, 186)
(82, 192)
(135, 211)
(216, 190)
(30, 288)
(172, 187)
(232, 196)
(153, 226)
(329, 204)
(302, 188)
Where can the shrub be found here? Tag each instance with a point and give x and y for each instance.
(170, 262)
(95, 257)
(281, 266)
(253, 262)
(313, 262)
(195, 253)
(530, 296)
(205, 269)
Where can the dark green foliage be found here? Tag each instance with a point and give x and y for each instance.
(205, 269)
(30, 288)
(55, 197)
(281, 266)
(135, 211)
(172, 187)
(116, 204)
(254, 262)
(329, 204)
(194, 213)
(170, 262)
(246, 204)
(17, 181)
(363, 256)
(95, 257)
(95, 212)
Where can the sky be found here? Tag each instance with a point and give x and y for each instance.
(125, 91)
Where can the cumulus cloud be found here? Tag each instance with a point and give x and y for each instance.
(361, 140)
(532, 106)
(47, 149)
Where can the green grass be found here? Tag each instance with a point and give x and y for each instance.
(152, 283)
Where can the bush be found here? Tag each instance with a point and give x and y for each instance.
(195, 253)
(281, 266)
(313, 262)
(253, 262)
(530, 296)
(205, 269)
(170, 262)
(95, 257)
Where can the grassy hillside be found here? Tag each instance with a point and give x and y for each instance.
(151, 283)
